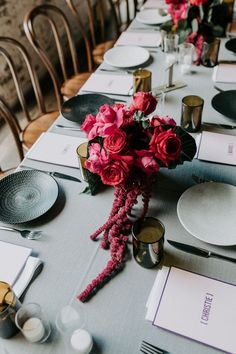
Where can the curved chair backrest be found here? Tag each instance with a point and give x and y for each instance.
(75, 12)
(7, 44)
(101, 19)
(50, 12)
(11, 120)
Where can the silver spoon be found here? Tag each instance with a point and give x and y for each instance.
(30, 235)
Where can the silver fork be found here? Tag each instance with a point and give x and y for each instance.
(148, 348)
(30, 235)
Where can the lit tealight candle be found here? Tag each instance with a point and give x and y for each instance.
(33, 329)
(81, 341)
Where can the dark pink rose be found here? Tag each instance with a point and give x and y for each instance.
(115, 172)
(156, 121)
(146, 162)
(115, 142)
(88, 124)
(166, 145)
(109, 119)
(144, 102)
(98, 158)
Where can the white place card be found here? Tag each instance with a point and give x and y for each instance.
(151, 4)
(216, 147)
(198, 307)
(12, 261)
(109, 84)
(224, 72)
(56, 149)
(140, 39)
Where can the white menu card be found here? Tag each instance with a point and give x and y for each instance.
(198, 307)
(217, 147)
(12, 261)
(111, 84)
(224, 72)
(56, 149)
(140, 39)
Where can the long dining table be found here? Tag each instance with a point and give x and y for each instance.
(115, 316)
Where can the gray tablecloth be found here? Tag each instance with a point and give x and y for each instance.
(115, 316)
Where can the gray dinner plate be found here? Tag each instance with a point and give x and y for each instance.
(76, 108)
(26, 195)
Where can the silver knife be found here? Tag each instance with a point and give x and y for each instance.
(199, 251)
(219, 125)
(53, 174)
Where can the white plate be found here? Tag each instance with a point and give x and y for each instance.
(152, 17)
(126, 56)
(207, 211)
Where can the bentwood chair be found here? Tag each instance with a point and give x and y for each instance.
(98, 24)
(31, 127)
(60, 29)
(7, 115)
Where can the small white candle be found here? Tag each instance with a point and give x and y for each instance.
(81, 341)
(185, 68)
(187, 59)
(33, 329)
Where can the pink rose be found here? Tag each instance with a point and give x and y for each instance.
(146, 162)
(88, 124)
(115, 142)
(166, 145)
(115, 172)
(98, 158)
(156, 121)
(144, 102)
(109, 119)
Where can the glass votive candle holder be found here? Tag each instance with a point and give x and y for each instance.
(9, 305)
(32, 322)
(70, 323)
(191, 113)
(185, 57)
(148, 240)
(142, 80)
(82, 153)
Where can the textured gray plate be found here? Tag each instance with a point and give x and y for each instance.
(76, 108)
(26, 195)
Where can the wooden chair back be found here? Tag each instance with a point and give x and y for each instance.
(8, 46)
(97, 20)
(51, 13)
(9, 117)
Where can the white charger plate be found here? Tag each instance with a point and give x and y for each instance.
(152, 17)
(126, 56)
(207, 211)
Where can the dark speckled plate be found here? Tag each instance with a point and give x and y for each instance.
(231, 45)
(76, 108)
(26, 195)
(225, 103)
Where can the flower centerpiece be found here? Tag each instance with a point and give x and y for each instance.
(126, 149)
(197, 21)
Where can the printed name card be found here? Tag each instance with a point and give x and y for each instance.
(140, 39)
(224, 72)
(216, 147)
(199, 308)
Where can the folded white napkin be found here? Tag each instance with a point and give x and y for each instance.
(140, 39)
(224, 72)
(110, 84)
(32, 268)
(156, 292)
